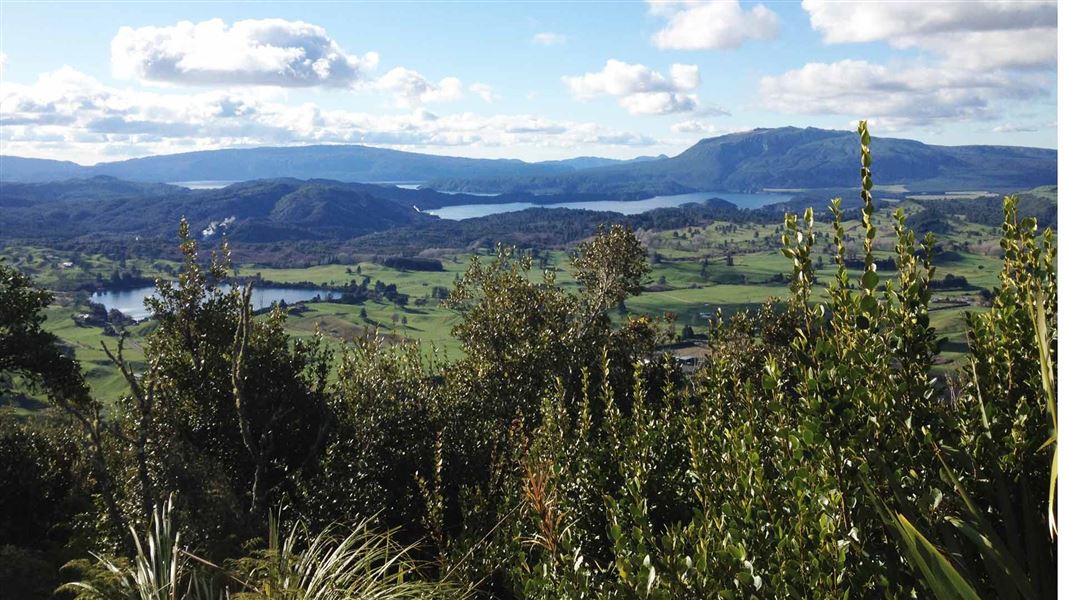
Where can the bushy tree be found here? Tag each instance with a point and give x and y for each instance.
(44, 507)
(385, 408)
(29, 352)
(37, 360)
(229, 412)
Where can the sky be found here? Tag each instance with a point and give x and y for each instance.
(101, 81)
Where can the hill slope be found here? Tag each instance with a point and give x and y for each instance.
(17, 168)
(342, 163)
(789, 157)
(267, 210)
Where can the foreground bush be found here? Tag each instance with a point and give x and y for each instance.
(810, 437)
(295, 565)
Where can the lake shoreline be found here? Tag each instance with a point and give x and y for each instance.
(460, 212)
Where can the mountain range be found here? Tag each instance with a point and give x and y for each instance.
(351, 163)
(785, 157)
(794, 158)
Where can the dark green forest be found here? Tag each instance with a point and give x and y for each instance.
(813, 454)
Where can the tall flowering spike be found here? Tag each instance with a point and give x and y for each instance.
(839, 237)
(797, 244)
(869, 279)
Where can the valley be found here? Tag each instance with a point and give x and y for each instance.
(654, 299)
(697, 270)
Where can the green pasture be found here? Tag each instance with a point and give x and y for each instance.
(695, 272)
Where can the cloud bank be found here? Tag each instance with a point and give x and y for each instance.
(896, 97)
(979, 34)
(980, 56)
(70, 114)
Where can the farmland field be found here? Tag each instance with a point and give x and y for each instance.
(696, 272)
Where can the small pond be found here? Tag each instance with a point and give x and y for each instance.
(130, 302)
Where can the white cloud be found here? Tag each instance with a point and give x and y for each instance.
(1031, 48)
(979, 56)
(870, 21)
(639, 89)
(3, 62)
(619, 78)
(484, 91)
(693, 25)
(895, 97)
(1024, 128)
(979, 34)
(410, 88)
(272, 52)
(685, 77)
(67, 114)
(702, 127)
(547, 38)
(657, 103)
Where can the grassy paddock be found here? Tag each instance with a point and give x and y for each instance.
(695, 271)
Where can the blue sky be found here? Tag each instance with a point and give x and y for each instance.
(103, 81)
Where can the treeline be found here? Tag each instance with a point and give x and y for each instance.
(988, 210)
(412, 263)
(552, 227)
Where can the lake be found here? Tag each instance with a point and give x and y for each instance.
(211, 184)
(630, 207)
(130, 302)
(216, 184)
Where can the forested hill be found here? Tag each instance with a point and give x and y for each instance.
(266, 210)
(252, 211)
(388, 217)
(350, 163)
(789, 157)
(549, 227)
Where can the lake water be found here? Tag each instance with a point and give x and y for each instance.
(131, 302)
(212, 184)
(215, 184)
(418, 186)
(631, 207)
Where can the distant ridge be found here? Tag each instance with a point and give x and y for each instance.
(789, 158)
(350, 163)
(784, 157)
(591, 162)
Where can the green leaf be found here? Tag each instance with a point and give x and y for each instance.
(868, 304)
(1051, 490)
(997, 558)
(870, 280)
(938, 572)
